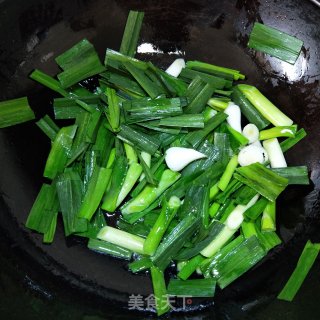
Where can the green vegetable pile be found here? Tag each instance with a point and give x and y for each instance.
(214, 217)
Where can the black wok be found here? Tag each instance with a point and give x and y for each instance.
(65, 279)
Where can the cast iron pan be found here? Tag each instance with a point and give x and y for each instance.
(75, 283)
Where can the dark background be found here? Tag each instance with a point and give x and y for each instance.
(65, 280)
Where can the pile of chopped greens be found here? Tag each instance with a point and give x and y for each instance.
(168, 157)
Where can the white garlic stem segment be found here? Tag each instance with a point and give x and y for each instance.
(251, 132)
(235, 218)
(275, 154)
(252, 154)
(177, 157)
(176, 67)
(234, 116)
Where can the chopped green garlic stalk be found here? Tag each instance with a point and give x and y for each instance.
(130, 153)
(218, 242)
(227, 175)
(169, 209)
(251, 132)
(209, 113)
(150, 193)
(181, 264)
(217, 104)
(305, 262)
(176, 67)
(177, 157)
(234, 116)
(235, 218)
(265, 106)
(122, 239)
(147, 159)
(275, 153)
(214, 209)
(252, 154)
(133, 174)
(268, 220)
(232, 224)
(111, 159)
(214, 190)
(276, 132)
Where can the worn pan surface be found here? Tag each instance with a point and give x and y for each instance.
(66, 279)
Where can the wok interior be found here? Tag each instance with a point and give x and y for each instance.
(217, 32)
